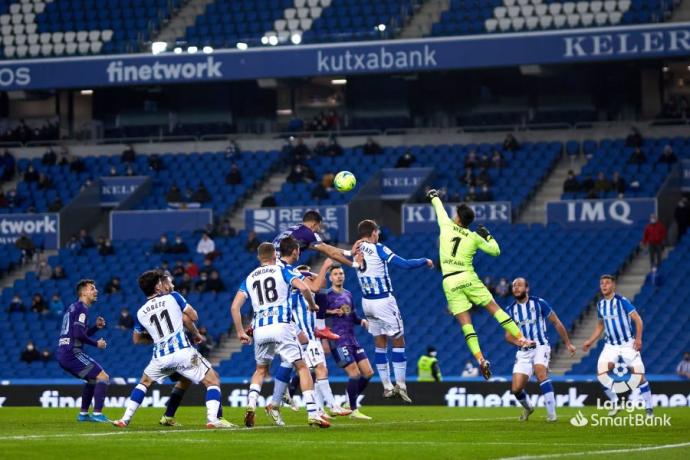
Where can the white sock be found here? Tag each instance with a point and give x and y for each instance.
(323, 387)
(254, 390)
(381, 358)
(212, 403)
(646, 395)
(318, 399)
(308, 396)
(134, 401)
(399, 366)
(320, 323)
(611, 395)
(549, 399)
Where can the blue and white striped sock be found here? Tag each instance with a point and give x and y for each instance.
(646, 394)
(212, 403)
(381, 359)
(254, 391)
(399, 366)
(308, 396)
(135, 399)
(549, 398)
(280, 383)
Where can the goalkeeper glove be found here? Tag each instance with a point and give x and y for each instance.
(483, 232)
(431, 194)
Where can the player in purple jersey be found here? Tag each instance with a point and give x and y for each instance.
(74, 334)
(347, 352)
(307, 236)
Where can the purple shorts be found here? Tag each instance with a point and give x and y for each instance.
(347, 354)
(79, 364)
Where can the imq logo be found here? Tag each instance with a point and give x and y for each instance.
(20, 76)
(599, 211)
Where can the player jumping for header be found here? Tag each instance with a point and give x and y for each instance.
(462, 286)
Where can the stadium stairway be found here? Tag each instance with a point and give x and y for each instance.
(551, 189)
(629, 283)
(272, 185)
(185, 17)
(420, 24)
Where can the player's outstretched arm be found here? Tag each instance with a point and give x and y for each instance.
(409, 264)
(319, 282)
(237, 303)
(486, 242)
(441, 214)
(512, 340)
(637, 319)
(334, 253)
(555, 320)
(594, 337)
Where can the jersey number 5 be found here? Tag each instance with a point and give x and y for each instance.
(268, 290)
(456, 243)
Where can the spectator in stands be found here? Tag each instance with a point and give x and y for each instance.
(602, 184)
(232, 150)
(26, 245)
(469, 370)
(618, 184)
(654, 278)
(225, 229)
(298, 150)
(174, 195)
(406, 160)
(489, 283)
(30, 353)
(319, 192)
(370, 147)
(200, 285)
(471, 196)
(497, 160)
(654, 238)
(191, 268)
(179, 247)
(105, 248)
(637, 157)
(49, 158)
(128, 154)
(468, 179)
(682, 216)
(184, 285)
(86, 240)
(571, 185)
(471, 161)
(587, 185)
(16, 305)
(59, 273)
(44, 182)
(77, 165)
(8, 164)
(683, 368)
(57, 306)
(55, 205)
(113, 286)
(234, 177)
(46, 355)
(510, 143)
(298, 174)
(667, 157)
(155, 162)
(483, 178)
(130, 171)
(252, 243)
(484, 162)
(334, 149)
(269, 201)
(178, 270)
(503, 288)
(39, 304)
(485, 194)
(73, 245)
(207, 267)
(206, 246)
(113, 172)
(634, 139)
(214, 283)
(31, 175)
(162, 246)
(44, 271)
(201, 194)
(208, 344)
(125, 320)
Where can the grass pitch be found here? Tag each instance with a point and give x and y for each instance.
(395, 433)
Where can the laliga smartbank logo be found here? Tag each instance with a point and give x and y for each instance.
(633, 416)
(624, 376)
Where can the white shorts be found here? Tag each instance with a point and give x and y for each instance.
(187, 362)
(383, 316)
(314, 354)
(276, 339)
(525, 360)
(611, 353)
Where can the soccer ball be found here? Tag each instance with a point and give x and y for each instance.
(344, 181)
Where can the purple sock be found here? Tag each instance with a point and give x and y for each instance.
(292, 386)
(363, 382)
(174, 402)
(220, 410)
(99, 396)
(353, 392)
(87, 396)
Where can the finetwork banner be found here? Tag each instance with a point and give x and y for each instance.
(613, 213)
(135, 225)
(489, 50)
(400, 183)
(116, 189)
(46, 226)
(421, 218)
(271, 221)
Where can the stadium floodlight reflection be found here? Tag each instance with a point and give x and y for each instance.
(177, 50)
(381, 27)
(158, 47)
(192, 50)
(273, 40)
(296, 39)
(207, 49)
(242, 46)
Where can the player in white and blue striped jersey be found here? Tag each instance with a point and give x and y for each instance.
(623, 342)
(269, 288)
(530, 314)
(381, 308)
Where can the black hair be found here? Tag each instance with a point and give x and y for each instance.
(466, 214)
(312, 216)
(288, 245)
(366, 228)
(607, 276)
(149, 280)
(82, 284)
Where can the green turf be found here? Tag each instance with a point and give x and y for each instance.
(395, 432)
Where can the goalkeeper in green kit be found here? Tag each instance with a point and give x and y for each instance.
(462, 286)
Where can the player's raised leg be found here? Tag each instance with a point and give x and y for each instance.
(382, 367)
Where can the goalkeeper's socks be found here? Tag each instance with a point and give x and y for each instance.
(254, 390)
(174, 401)
(521, 396)
(472, 340)
(280, 382)
(646, 394)
(399, 366)
(99, 396)
(212, 402)
(323, 387)
(549, 398)
(135, 399)
(507, 323)
(381, 359)
(86, 397)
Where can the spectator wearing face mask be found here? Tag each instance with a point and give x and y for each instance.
(428, 369)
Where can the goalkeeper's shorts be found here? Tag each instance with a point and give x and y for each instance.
(463, 290)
